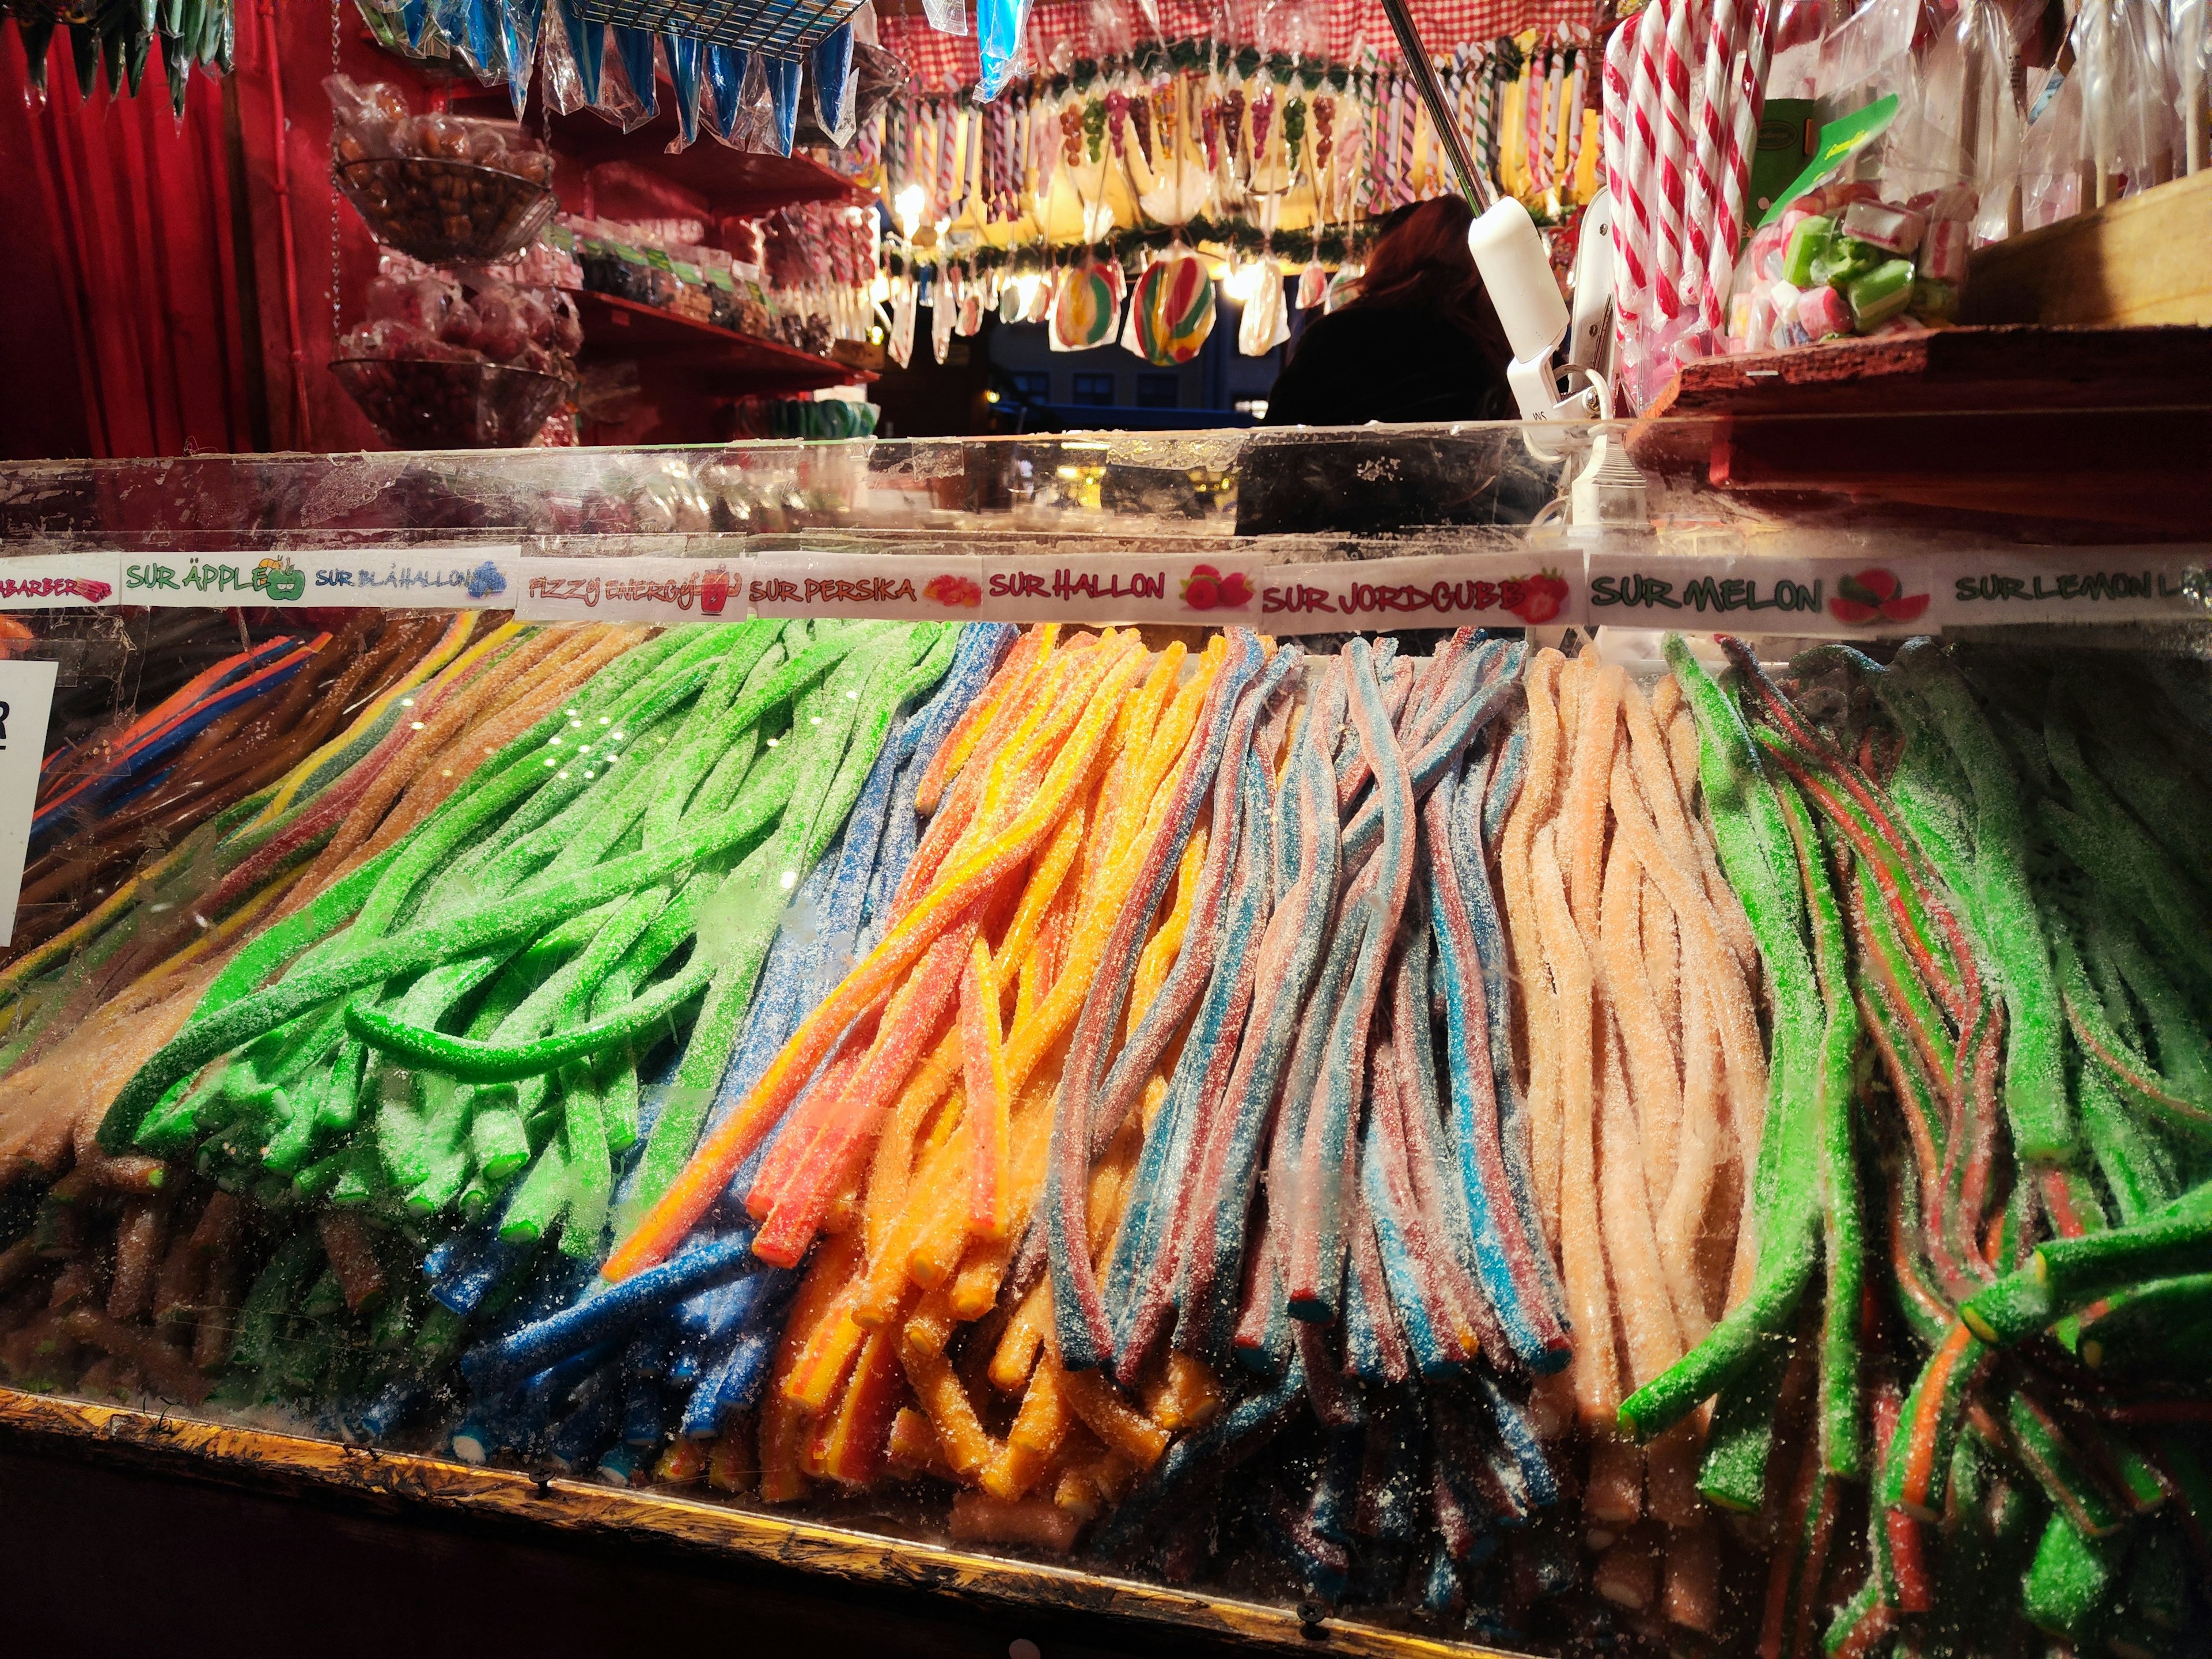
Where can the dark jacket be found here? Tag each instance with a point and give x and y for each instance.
(1387, 363)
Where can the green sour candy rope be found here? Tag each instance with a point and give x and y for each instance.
(2007, 919)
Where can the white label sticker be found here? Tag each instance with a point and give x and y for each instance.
(26, 696)
(636, 589)
(471, 578)
(2073, 584)
(1123, 588)
(898, 587)
(1762, 594)
(1440, 590)
(60, 581)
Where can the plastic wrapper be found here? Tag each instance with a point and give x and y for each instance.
(784, 76)
(1266, 321)
(1856, 256)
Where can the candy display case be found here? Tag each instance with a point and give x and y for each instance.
(1402, 1043)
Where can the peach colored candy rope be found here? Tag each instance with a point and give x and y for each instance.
(1654, 1086)
(1668, 796)
(1589, 785)
(1728, 996)
(1581, 1244)
(1539, 1016)
(1652, 1340)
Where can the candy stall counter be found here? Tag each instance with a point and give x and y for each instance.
(1521, 1056)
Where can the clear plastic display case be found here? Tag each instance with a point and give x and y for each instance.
(1564, 1039)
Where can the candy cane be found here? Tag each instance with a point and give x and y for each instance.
(1736, 180)
(1674, 147)
(1702, 282)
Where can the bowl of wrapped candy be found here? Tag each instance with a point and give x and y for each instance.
(435, 368)
(443, 188)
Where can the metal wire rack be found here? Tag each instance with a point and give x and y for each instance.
(781, 28)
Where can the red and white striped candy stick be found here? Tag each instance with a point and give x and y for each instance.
(1534, 79)
(1632, 226)
(1723, 42)
(1730, 222)
(1673, 206)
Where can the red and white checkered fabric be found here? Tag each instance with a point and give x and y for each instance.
(1064, 27)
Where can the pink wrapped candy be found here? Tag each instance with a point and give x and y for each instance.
(1943, 251)
(1822, 312)
(1892, 230)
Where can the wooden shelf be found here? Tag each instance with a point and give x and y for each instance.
(729, 361)
(2059, 433)
(843, 1560)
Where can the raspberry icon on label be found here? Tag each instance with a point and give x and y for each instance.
(1206, 589)
(1542, 597)
(1873, 593)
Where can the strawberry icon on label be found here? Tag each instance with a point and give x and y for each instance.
(1872, 594)
(1207, 589)
(1542, 597)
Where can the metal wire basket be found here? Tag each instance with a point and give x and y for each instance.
(440, 210)
(782, 28)
(421, 404)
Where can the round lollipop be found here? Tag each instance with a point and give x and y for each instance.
(1086, 304)
(1174, 309)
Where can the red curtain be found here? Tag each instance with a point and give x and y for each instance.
(154, 304)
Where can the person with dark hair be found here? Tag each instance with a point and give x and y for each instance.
(1422, 341)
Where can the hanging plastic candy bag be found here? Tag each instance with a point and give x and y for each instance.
(680, 54)
(1313, 285)
(943, 311)
(484, 42)
(519, 23)
(1174, 308)
(831, 62)
(1128, 341)
(1086, 303)
(573, 55)
(1266, 323)
(784, 74)
(1343, 288)
(724, 70)
(640, 65)
(1042, 298)
(971, 310)
(902, 316)
(998, 24)
(946, 16)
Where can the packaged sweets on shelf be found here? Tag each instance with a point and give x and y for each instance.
(1520, 1133)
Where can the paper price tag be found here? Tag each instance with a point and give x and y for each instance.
(899, 587)
(1122, 587)
(470, 578)
(637, 588)
(1832, 597)
(1436, 590)
(60, 581)
(27, 697)
(2073, 584)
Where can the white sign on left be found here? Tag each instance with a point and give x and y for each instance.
(27, 697)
